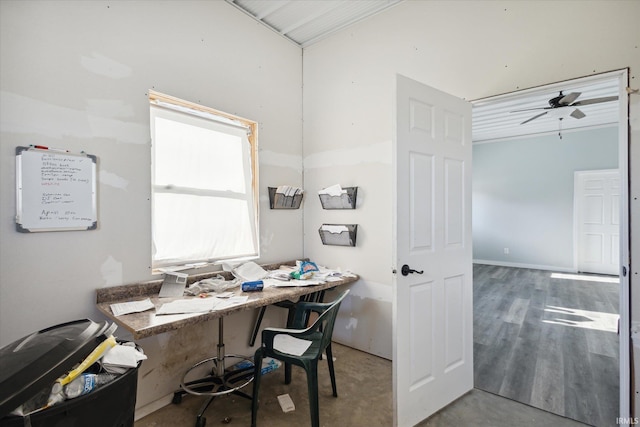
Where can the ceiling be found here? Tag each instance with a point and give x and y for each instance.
(494, 118)
(305, 22)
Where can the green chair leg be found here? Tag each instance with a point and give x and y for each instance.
(312, 385)
(332, 373)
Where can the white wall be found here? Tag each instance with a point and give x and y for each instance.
(471, 49)
(523, 196)
(75, 75)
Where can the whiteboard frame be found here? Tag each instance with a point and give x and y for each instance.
(19, 189)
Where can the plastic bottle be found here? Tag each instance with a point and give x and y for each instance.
(86, 383)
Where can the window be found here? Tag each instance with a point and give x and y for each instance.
(204, 183)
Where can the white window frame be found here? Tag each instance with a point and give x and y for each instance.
(158, 103)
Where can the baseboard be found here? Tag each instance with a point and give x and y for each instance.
(149, 408)
(524, 265)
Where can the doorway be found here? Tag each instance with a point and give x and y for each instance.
(504, 254)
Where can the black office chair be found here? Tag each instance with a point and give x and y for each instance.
(319, 334)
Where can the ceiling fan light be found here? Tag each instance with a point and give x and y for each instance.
(577, 114)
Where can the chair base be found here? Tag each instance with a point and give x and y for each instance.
(218, 382)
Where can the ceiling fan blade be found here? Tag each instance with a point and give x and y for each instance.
(531, 109)
(595, 100)
(577, 114)
(569, 98)
(534, 117)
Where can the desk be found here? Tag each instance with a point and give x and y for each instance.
(146, 324)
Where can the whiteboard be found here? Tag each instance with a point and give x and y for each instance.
(56, 190)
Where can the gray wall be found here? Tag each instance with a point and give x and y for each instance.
(523, 195)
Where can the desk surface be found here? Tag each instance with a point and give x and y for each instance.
(147, 323)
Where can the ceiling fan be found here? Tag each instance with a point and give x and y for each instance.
(562, 101)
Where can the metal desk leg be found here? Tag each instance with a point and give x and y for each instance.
(219, 381)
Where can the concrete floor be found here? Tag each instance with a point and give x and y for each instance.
(364, 399)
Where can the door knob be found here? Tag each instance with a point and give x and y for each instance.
(406, 270)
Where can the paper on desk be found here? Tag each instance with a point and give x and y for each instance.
(285, 343)
(334, 190)
(122, 308)
(325, 273)
(230, 302)
(249, 272)
(194, 305)
(280, 274)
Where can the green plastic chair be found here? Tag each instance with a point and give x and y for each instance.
(319, 334)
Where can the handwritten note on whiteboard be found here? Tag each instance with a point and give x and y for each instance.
(56, 191)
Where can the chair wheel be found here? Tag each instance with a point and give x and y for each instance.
(201, 422)
(177, 398)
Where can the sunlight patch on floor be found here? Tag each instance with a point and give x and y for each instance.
(578, 318)
(585, 277)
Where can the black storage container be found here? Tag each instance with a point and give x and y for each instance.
(34, 362)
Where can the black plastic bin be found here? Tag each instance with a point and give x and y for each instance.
(34, 362)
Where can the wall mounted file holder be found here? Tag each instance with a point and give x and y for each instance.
(338, 234)
(281, 201)
(344, 201)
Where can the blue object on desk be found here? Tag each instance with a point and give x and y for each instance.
(254, 286)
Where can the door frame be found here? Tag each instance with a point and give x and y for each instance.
(622, 77)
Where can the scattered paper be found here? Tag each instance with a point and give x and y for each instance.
(327, 274)
(122, 356)
(122, 308)
(173, 285)
(286, 403)
(230, 302)
(195, 305)
(225, 295)
(172, 290)
(249, 272)
(284, 275)
(285, 343)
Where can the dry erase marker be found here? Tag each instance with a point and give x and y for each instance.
(59, 150)
(258, 285)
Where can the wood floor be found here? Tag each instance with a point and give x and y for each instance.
(548, 342)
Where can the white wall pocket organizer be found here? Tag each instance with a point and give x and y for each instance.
(338, 234)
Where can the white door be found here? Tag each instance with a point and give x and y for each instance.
(597, 205)
(433, 312)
